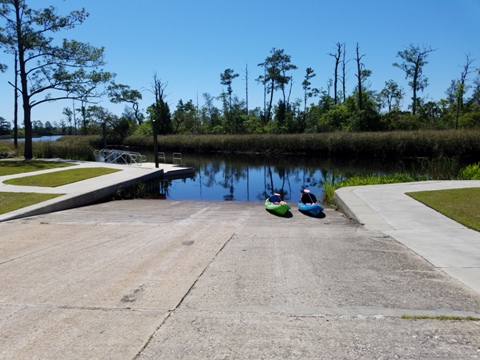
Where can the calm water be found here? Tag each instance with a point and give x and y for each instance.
(252, 178)
(41, 138)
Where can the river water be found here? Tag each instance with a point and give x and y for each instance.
(252, 178)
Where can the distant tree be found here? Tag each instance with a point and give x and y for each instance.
(337, 56)
(98, 120)
(226, 79)
(307, 90)
(414, 59)
(461, 88)
(361, 74)
(45, 68)
(119, 93)
(391, 96)
(48, 128)
(160, 111)
(69, 116)
(37, 127)
(276, 67)
(344, 73)
(4, 126)
(184, 118)
(210, 113)
(246, 89)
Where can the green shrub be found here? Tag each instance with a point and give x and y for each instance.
(470, 172)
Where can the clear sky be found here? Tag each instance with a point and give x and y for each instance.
(188, 43)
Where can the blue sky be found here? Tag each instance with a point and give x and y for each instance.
(188, 43)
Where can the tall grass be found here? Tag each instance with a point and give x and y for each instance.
(458, 144)
(379, 145)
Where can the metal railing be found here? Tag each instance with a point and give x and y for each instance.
(177, 158)
(119, 157)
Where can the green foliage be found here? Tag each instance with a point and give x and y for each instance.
(11, 167)
(60, 178)
(470, 172)
(68, 147)
(7, 149)
(5, 127)
(13, 201)
(362, 145)
(136, 192)
(49, 71)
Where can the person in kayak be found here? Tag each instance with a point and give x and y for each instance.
(307, 197)
(276, 199)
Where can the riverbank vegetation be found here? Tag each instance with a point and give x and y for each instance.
(387, 146)
(380, 145)
(435, 169)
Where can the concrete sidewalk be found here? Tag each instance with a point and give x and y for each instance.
(446, 244)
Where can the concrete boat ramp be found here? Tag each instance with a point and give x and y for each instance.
(161, 279)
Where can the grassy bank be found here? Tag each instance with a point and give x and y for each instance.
(469, 172)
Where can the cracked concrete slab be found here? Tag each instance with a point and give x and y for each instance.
(150, 279)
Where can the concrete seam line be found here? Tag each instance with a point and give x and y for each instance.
(170, 312)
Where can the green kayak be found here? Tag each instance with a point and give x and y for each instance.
(277, 208)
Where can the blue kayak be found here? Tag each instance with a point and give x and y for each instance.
(312, 209)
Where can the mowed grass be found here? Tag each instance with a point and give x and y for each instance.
(461, 205)
(13, 201)
(12, 167)
(59, 178)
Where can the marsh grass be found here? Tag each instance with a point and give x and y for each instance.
(68, 147)
(389, 146)
(378, 145)
(460, 205)
(59, 178)
(13, 201)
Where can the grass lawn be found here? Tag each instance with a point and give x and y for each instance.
(13, 201)
(11, 167)
(59, 178)
(461, 205)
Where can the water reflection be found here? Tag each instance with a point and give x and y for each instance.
(253, 178)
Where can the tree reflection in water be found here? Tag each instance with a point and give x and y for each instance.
(255, 177)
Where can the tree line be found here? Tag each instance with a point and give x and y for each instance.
(46, 71)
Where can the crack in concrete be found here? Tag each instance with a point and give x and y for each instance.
(170, 312)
